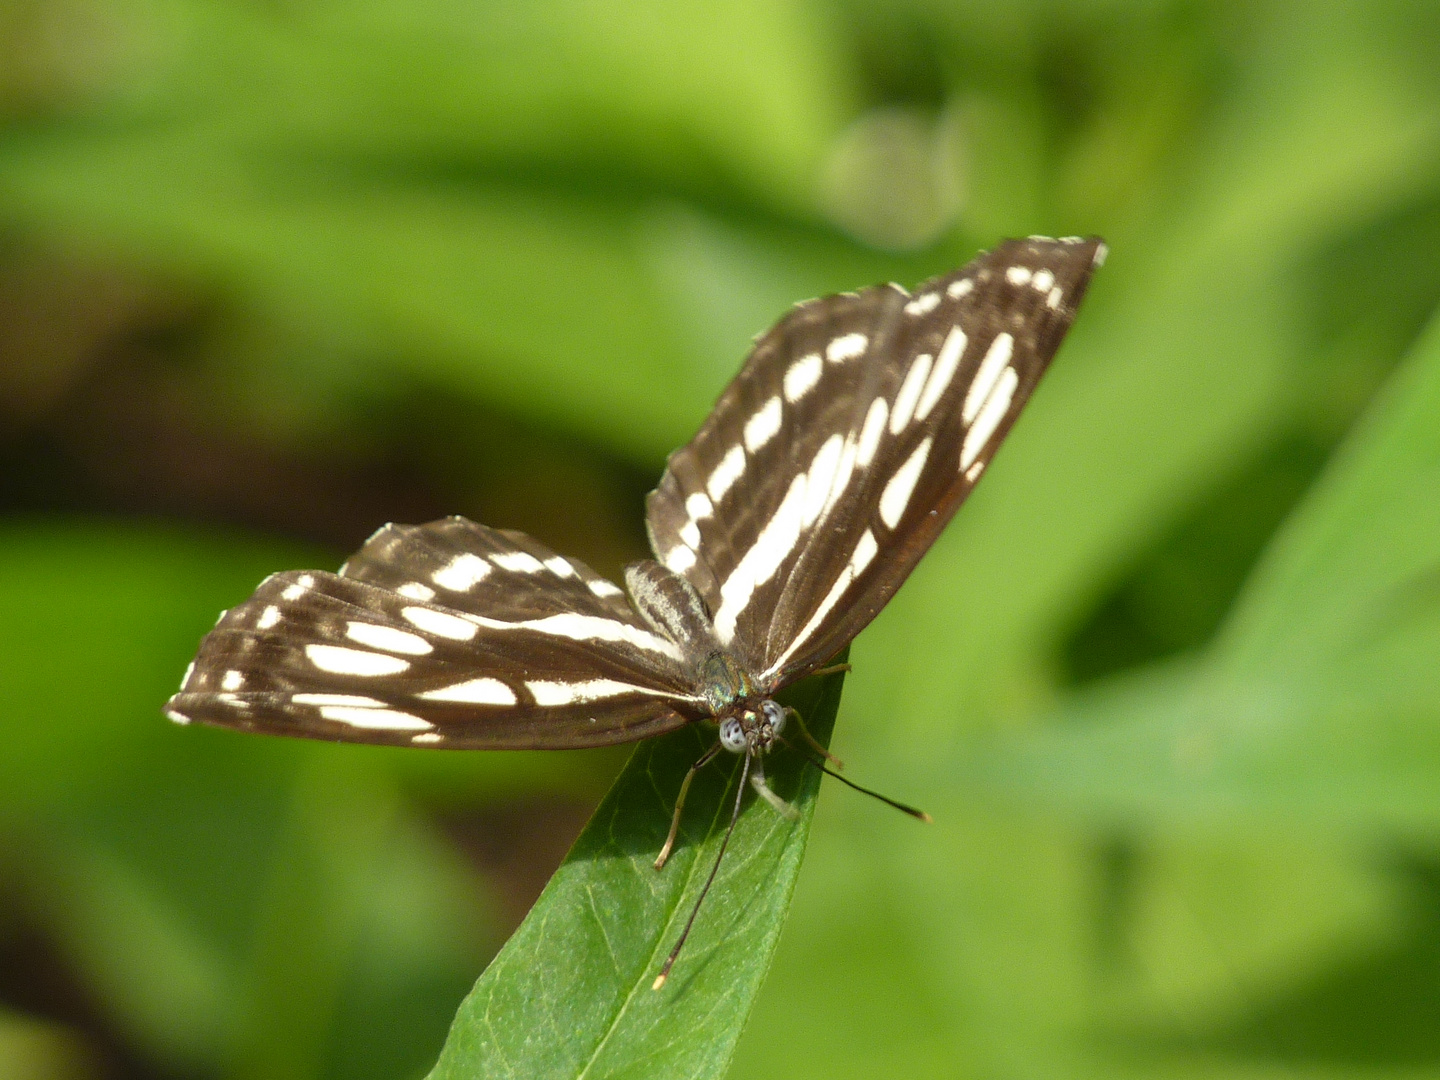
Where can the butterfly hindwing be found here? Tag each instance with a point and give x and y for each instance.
(492, 572)
(905, 399)
(446, 634)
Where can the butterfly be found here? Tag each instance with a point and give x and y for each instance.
(854, 430)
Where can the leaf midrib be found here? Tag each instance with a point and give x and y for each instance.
(660, 940)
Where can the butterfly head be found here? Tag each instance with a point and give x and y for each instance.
(753, 729)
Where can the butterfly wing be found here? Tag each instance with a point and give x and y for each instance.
(852, 434)
(446, 634)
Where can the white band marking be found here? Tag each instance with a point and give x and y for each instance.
(730, 469)
(996, 406)
(923, 304)
(909, 393)
(865, 549)
(440, 624)
(802, 376)
(819, 479)
(987, 376)
(761, 427)
(846, 348)
(871, 432)
(374, 719)
(301, 586)
(843, 473)
(342, 661)
(576, 627)
(465, 571)
(356, 701)
(570, 693)
(945, 365)
(518, 562)
(678, 559)
(896, 495)
(474, 692)
(559, 566)
(756, 567)
(388, 639)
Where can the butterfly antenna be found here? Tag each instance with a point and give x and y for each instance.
(905, 808)
(734, 817)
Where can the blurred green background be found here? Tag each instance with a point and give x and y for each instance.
(274, 272)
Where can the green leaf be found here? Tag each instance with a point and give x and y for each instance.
(570, 994)
(1358, 562)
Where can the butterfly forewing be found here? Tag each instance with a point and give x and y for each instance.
(817, 525)
(447, 634)
(730, 502)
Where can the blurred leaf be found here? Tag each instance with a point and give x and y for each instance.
(738, 94)
(356, 886)
(97, 619)
(1178, 369)
(460, 190)
(1319, 700)
(32, 1050)
(1358, 566)
(163, 981)
(570, 994)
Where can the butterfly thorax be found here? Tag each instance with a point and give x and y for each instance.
(749, 721)
(725, 685)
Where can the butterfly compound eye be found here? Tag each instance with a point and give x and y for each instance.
(774, 715)
(732, 735)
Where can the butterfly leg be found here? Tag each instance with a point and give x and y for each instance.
(705, 889)
(833, 669)
(757, 781)
(705, 759)
(814, 742)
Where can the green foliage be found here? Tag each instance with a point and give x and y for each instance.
(1318, 700)
(574, 983)
(1166, 683)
